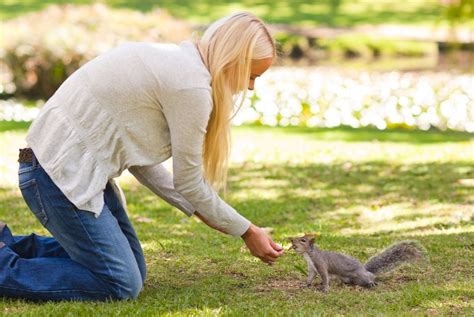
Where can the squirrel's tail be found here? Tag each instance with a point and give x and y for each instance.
(394, 255)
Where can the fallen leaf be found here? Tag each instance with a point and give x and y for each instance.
(143, 219)
(466, 182)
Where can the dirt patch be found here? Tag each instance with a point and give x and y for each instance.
(237, 275)
(281, 285)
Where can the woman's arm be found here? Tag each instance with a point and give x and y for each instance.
(160, 182)
(187, 112)
(256, 240)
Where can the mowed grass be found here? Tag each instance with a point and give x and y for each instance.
(361, 190)
(342, 13)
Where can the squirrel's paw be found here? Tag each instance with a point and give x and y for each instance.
(372, 284)
(323, 288)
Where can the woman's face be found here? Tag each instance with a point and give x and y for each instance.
(259, 66)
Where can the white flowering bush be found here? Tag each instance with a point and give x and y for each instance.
(325, 97)
(14, 110)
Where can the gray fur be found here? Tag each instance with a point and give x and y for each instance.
(395, 255)
(348, 269)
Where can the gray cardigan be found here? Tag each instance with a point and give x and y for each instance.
(133, 108)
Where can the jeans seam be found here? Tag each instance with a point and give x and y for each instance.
(101, 256)
(58, 291)
(107, 281)
(37, 196)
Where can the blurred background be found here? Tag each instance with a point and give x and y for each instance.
(342, 63)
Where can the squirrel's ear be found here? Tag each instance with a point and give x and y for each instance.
(311, 241)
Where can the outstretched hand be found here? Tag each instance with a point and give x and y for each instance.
(261, 245)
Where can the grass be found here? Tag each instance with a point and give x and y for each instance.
(323, 12)
(360, 189)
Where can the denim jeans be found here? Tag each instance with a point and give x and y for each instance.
(88, 257)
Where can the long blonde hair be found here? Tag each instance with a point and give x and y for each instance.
(228, 47)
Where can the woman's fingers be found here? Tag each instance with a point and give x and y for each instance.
(261, 245)
(278, 248)
(271, 255)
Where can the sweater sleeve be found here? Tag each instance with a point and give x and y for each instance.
(187, 113)
(160, 182)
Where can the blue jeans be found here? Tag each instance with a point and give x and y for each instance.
(87, 258)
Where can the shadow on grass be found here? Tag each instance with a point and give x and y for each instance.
(231, 283)
(334, 196)
(394, 198)
(194, 270)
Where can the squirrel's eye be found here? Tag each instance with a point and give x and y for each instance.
(303, 240)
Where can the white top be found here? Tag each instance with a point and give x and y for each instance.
(132, 108)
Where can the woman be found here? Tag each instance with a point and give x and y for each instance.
(131, 108)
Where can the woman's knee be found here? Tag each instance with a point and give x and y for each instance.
(143, 271)
(128, 286)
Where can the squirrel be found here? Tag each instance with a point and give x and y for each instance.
(348, 269)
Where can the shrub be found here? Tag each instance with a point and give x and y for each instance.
(292, 45)
(42, 49)
(358, 45)
(326, 97)
(351, 45)
(458, 11)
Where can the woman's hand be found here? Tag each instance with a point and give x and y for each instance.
(261, 245)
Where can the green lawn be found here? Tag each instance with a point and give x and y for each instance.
(360, 189)
(323, 12)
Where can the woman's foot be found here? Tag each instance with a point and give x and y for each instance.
(5, 234)
(2, 225)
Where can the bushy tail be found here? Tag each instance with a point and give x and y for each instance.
(395, 255)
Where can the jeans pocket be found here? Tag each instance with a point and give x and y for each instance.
(31, 195)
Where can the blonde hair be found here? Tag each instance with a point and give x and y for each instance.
(228, 47)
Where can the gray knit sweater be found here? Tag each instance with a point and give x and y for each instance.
(132, 108)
